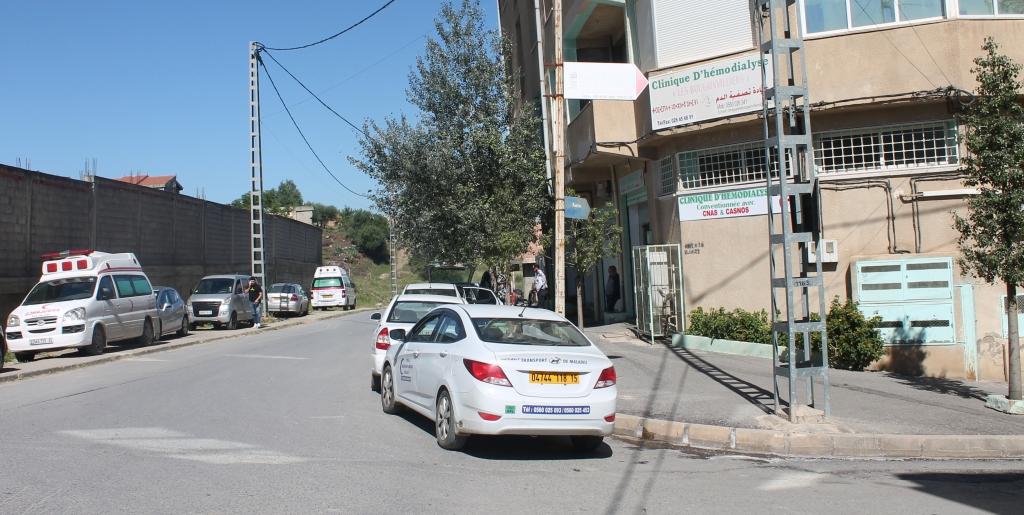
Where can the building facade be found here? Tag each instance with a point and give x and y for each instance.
(685, 163)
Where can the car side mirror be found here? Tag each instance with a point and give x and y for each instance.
(106, 293)
(166, 306)
(375, 316)
(397, 335)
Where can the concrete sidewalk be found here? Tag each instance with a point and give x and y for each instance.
(735, 392)
(67, 359)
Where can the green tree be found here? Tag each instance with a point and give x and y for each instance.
(465, 182)
(368, 232)
(273, 202)
(323, 213)
(592, 239)
(992, 233)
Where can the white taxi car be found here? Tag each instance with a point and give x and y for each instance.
(84, 299)
(402, 313)
(500, 370)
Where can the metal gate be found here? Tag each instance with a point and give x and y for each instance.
(658, 277)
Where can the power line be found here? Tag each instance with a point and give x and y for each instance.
(350, 27)
(329, 108)
(297, 128)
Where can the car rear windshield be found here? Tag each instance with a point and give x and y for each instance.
(431, 291)
(327, 282)
(525, 331)
(76, 288)
(281, 288)
(410, 312)
(210, 286)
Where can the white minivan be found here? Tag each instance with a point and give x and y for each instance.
(84, 300)
(332, 287)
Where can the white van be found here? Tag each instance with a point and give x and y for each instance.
(84, 299)
(332, 287)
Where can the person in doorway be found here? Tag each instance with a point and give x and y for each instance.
(501, 286)
(540, 286)
(256, 298)
(612, 289)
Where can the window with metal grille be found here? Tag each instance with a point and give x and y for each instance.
(1020, 314)
(733, 164)
(890, 148)
(667, 172)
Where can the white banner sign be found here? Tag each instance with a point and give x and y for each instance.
(725, 204)
(603, 81)
(708, 91)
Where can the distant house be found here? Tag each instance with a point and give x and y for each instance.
(303, 214)
(158, 182)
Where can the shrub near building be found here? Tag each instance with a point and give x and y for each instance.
(854, 341)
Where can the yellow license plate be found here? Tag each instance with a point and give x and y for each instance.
(554, 377)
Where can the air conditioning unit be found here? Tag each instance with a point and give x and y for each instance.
(829, 252)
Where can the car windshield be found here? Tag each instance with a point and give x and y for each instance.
(208, 286)
(410, 312)
(281, 288)
(431, 291)
(76, 288)
(525, 331)
(327, 282)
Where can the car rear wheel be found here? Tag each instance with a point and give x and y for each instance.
(99, 342)
(25, 357)
(374, 382)
(233, 321)
(147, 334)
(586, 443)
(387, 392)
(159, 334)
(445, 424)
(185, 326)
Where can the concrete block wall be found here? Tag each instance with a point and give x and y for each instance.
(178, 239)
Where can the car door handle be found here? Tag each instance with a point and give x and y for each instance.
(415, 354)
(444, 354)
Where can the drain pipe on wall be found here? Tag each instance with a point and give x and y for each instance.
(543, 88)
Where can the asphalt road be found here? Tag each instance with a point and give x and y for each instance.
(285, 422)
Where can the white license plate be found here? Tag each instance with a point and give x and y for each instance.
(206, 313)
(326, 295)
(40, 341)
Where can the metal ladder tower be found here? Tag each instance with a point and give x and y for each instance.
(257, 236)
(794, 223)
(394, 259)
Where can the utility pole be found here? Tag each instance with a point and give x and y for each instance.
(257, 236)
(558, 130)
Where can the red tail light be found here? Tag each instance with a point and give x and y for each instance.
(295, 297)
(65, 266)
(51, 268)
(383, 341)
(486, 372)
(81, 264)
(610, 418)
(606, 379)
(488, 417)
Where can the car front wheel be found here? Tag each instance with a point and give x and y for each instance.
(445, 424)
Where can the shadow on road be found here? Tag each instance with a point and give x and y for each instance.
(941, 385)
(750, 392)
(994, 492)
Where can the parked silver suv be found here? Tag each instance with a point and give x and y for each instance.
(220, 299)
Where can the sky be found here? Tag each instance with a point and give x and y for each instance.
(160, 88)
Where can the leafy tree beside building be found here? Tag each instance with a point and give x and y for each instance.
(992, 232)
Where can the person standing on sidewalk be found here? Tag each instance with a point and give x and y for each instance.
(540, 286)
(256, 298)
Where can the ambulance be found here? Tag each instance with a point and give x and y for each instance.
(85, 300)
(332, 287)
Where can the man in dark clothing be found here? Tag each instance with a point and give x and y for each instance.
(256, 298)
(612, 290)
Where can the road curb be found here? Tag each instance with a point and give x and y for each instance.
(131, 353)
(819, 445)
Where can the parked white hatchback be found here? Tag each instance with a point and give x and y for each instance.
(402, 313)
(501, 370)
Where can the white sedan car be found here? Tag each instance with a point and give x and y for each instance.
(501, 370)
(402, 313)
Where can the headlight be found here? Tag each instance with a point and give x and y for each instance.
(13, 321)
(224, 308)
(75, 315)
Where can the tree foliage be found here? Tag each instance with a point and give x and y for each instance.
(278, 201)
(368, 232)
(992, 234)
(464, 183)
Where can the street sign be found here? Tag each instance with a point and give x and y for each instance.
(603, 81)
(577, 208)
